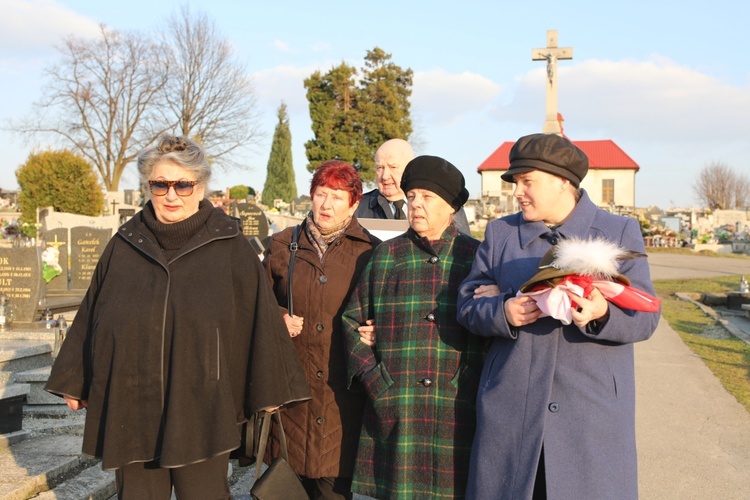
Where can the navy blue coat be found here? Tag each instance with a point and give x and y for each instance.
(374, 205)
(548, 384)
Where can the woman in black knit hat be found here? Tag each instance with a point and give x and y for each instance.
(177, 341)
(418, 366)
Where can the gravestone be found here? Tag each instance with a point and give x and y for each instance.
(301, 205)
(126, 213)
(21, 281)
(58, 238)
(86, 246)
(254, 221)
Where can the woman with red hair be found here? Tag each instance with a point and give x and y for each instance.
(330, 251)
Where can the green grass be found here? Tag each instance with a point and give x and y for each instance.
(727, 358)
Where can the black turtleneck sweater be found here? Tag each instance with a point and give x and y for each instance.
(172, 237)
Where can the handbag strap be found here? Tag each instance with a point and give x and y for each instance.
(293, 246)
(265, 429)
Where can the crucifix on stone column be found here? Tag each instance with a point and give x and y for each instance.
(552, 53)
(114, 205)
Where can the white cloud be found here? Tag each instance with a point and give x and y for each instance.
(31, 27)
(282, 46)
(320, 47)
(445, 98)
(652, 101)
(671, 119)
(285, 83)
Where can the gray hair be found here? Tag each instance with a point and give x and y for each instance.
(185, 152)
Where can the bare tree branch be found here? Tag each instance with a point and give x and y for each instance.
(720, 188)
(209, 96)
(100, 99)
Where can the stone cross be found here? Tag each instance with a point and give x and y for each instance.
(552, 53)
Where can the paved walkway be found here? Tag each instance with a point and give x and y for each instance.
(693, 437)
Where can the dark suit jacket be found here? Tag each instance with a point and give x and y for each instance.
(373, 205)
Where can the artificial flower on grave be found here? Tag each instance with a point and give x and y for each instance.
(50, 263)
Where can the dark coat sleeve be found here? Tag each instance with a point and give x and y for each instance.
(276, 376)
(71, 371)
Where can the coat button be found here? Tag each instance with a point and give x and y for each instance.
(320, 420)
(320, 327)
(433, 259)
(554, 240)
(426, 382)
(323, 278)
(554, 407)
(430, 317)
(319, 374)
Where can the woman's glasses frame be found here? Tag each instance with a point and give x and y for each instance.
(161, 188)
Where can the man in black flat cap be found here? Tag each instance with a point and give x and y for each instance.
(556, 404)
(388, 201)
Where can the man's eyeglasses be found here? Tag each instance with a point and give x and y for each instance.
(182, 188)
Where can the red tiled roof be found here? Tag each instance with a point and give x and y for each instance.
(602, 155)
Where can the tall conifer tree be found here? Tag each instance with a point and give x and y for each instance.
(280, 181)
(351, 118)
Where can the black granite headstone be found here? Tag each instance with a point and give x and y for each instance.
(86, 246)
(21, 281)
(301, 205)
(254, 221)
(58, 238)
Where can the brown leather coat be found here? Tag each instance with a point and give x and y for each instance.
(322, 435)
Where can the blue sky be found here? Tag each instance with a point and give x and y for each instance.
(667, 81)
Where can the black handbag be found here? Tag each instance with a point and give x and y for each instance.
(279, 481)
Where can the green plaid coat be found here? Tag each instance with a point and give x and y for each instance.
(421, 377)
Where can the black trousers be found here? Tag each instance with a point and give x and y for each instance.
(540, 483)
(147, 481)
(328, 488)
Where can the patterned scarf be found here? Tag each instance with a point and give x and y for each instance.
(322, 238)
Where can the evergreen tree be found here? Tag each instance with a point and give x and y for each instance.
(386, 89)
(239, 192)
(280, 181)
(350, 118)
(59, 179)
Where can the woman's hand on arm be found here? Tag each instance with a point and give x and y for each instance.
(367, 333)
(486, 291)
(294, 324)
(75, 404)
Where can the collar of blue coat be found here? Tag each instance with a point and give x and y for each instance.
(578, 222)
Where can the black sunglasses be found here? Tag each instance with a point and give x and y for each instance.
(161, 188)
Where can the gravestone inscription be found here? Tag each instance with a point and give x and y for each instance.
(301, 206)
(86, 246)
(253, 220)
(21, 281)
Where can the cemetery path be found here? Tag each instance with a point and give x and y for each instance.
(674, 266)
(693, 437)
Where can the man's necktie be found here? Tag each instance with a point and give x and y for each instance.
(399, 213)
